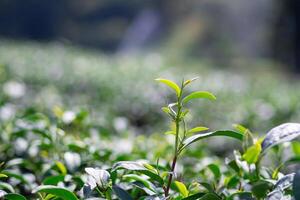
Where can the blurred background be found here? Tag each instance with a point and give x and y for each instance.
(103, 55)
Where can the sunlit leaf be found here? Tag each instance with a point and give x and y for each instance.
(199, 94)
(282, 133)
(187, 82)
(227, 133)
(170, 133)
(252, 153)
(3, 176)
(171, 84)
(197, 129)
(61, 167)
(182, 188)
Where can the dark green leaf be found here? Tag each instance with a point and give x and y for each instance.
(56, 191)
(53, 180)
(121, 193)
(13, 196)
(296, 185)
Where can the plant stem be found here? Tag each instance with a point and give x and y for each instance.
(171, 176)
(177, 121)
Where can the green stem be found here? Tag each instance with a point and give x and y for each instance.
(176, 152)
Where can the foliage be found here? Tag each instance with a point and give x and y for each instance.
(59, 157)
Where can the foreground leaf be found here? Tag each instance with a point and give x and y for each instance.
(171, 84)
(282, 133)
(56, 191)
(13, 196)
(182, 189)
(201, 136)
(198, 95)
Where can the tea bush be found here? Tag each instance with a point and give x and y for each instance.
(63, 157)
(73, 128)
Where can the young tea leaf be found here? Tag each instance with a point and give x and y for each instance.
(197, 129)
(280, 134)
(199, 94)
(182, 188)
(252, 153)
(171, 84)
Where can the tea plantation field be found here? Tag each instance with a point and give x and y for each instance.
(79, 124)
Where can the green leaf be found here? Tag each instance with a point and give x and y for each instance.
(121, 193)
(61, 167)
(282, 133)
(189, 81)
(227, 133)
(199, 94)
(210, 196)
(260, 189)
(215, 170)
(194, 196)
(139, 167)
(13, 196)
(197, 129)
(296, 185)
(140, 179)
(240, 128)
(170, 133)
(53, 180)
(182, 188)
(207, 186)
(3, 176)
(6, 186)
(241, 195)
(296, 147)
(171, 84)
(56, 191)
(252, 153)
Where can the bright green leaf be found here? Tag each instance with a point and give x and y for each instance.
(197, 95)
(3, 176)
(182, 188)
(171, 84)
(61, 167)
(170, 133)
(189, 81)
(201, 136)
(197, 129)
(252, 153)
